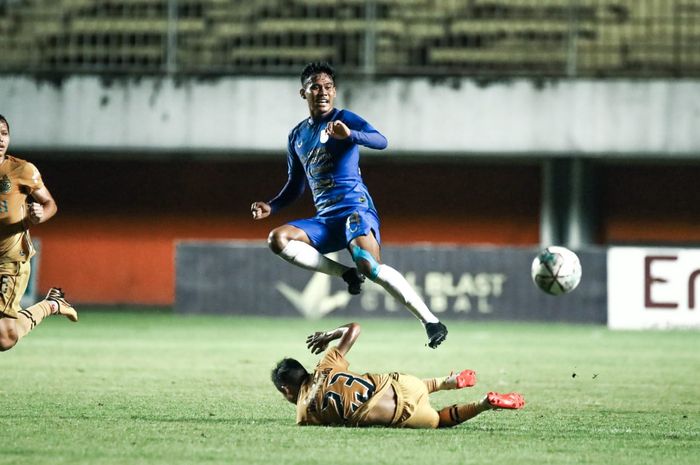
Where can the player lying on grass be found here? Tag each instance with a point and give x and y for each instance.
(24, 201)
(333, 395)
(323, 151)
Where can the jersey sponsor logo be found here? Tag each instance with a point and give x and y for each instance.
(318, 161)
(5, 185)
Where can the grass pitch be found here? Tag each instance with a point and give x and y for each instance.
(153, 388)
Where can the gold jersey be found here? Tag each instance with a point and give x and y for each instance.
(334, 394)
(18, 179)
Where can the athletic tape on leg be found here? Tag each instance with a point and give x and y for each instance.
(361, 254)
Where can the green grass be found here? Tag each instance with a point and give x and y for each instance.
(153, 388)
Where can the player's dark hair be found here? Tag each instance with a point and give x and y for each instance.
(288, 372)
(317, 67)
(2, 118)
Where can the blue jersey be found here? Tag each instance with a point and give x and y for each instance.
(329, 166)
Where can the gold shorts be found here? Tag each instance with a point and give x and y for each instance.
(14, 278)
(413, 409)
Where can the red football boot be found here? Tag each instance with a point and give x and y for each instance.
(466, 378)
(511, 400)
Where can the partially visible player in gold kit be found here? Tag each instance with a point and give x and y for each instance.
(24, 201)
(333, 395)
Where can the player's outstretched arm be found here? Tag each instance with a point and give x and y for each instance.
(348, 334)
(292, 190)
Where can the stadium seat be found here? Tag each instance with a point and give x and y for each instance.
(620, 37)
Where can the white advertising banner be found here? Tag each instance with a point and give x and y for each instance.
(653, 288)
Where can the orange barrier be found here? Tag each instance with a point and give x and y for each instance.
(117, 260)
(127, 255)
(131, 260)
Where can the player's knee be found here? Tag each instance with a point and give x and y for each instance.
(277, 241)
(8, 340)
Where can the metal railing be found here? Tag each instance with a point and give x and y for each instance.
(482, 38)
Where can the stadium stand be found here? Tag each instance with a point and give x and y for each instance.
(583, 38)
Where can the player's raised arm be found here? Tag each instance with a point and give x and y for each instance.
(358, 130)
(260, 210)
(348, 334)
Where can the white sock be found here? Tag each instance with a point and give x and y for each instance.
(302, 254)
(396, 285)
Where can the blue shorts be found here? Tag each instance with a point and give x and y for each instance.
(333, 233)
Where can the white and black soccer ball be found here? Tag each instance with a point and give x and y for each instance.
(556, 270)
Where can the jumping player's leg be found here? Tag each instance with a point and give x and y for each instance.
(18, 322)
(14, 278)
(459, 413)
(29, 318)
(366, 255)
(294, 246)
(54, 304)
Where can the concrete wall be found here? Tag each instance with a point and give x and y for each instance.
(456, 116)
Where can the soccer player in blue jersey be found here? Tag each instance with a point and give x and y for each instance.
(323, 151)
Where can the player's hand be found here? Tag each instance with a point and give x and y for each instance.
(338, 130)
(318, 341)
(35, 212)
(260, 210)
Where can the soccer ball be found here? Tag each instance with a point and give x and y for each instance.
(556, 270)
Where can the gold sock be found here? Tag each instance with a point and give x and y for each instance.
(436, 384)
(459, 413)
(28, 318)
(444, 383)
